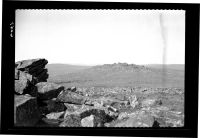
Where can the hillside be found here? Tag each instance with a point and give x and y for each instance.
(62, 69)
(179, 67)
(119, 75)
(111, 95)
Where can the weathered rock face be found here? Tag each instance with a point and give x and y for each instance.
(27, 74)
(71, 97)
(34, 67)
(24, 83)
(71, 121)
(26, 112)
(48, 90)
(88, 121)
(48, 106)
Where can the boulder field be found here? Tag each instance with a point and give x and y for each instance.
(39, 103)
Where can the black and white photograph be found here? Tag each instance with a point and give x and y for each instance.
(99, 68)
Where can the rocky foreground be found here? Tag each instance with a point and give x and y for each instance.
(39, 103)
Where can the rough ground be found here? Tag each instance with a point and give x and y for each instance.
(129, 107)
(149, 100)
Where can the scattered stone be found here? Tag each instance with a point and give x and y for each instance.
(26, 112)
(48, 90)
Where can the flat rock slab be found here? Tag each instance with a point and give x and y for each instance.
(26, 112)
(55, 115)
(48, 90)
(71, 97)
(26, 65)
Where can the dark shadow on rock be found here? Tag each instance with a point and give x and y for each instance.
(156, 124)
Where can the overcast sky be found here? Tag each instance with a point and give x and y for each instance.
(91, 37)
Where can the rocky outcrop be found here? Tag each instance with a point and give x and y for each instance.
(41, 103)
(33, 95)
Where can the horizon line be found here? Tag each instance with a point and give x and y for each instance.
(116, 63)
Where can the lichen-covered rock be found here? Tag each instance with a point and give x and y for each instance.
(71, 97)
(48, 90)
(26, 112)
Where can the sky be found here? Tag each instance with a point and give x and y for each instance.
(93, 37)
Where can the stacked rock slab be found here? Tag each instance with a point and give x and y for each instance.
(27, 74)
(31, 89)
(34, 67)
